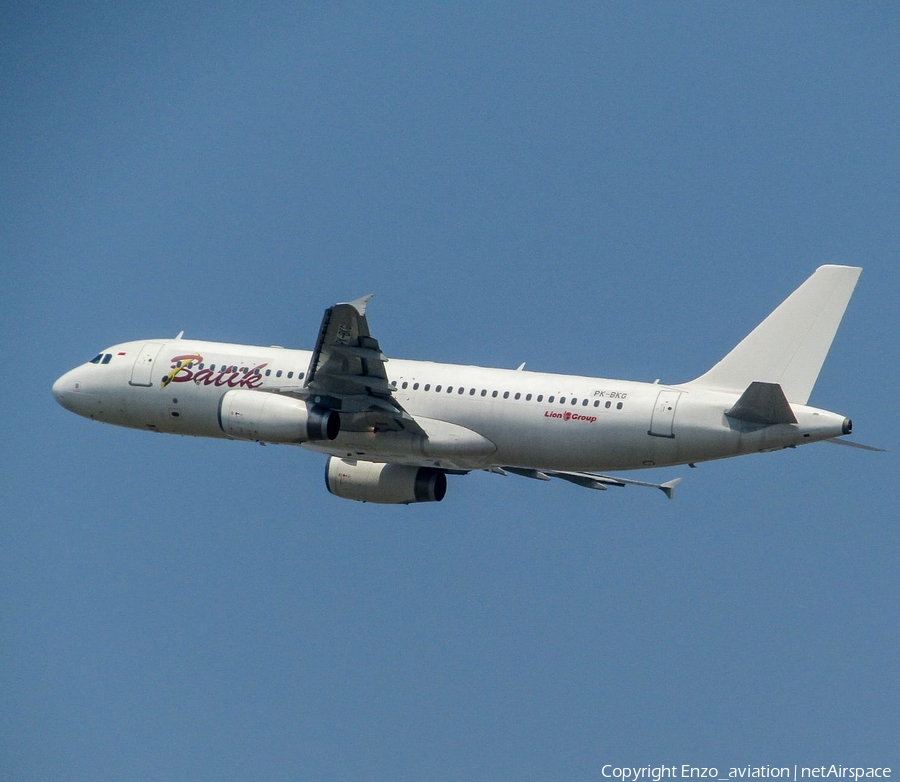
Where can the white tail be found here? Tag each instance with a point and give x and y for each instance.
(789, 347)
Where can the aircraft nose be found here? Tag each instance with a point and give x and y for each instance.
(62, 390)
(69, 391)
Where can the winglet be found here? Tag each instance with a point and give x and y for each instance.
(669, 486)
(361, 303)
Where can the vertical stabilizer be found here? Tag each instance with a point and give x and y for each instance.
(789, 347)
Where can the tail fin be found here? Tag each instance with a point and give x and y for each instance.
(789, 347)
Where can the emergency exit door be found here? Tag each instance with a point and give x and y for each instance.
(663, 421)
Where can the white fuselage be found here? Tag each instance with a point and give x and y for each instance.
(482, 417)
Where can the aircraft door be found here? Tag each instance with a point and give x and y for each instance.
(663, 420)
(142, 373)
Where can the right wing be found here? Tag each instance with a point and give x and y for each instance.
(347, 373)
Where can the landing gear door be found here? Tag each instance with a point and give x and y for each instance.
(663, 421)
(142, 373)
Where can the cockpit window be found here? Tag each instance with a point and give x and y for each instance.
(106, 358)
(96, 359)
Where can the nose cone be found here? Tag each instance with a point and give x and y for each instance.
(70, 393)
(64, 391)
(59, 389)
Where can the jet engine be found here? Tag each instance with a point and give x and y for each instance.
(390, 484)
(273, 418)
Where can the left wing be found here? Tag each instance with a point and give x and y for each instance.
(588, 480)
(347, 373)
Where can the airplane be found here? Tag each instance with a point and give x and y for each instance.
(393, 430)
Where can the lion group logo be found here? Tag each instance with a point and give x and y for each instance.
(569, 416)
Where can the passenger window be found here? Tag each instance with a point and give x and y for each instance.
(562, 400)
(437, 389)
(278, 373)
(405, 384)
(461, 390)
(518, 395)
(506, 394)
(619, 406)
(574, 401)
(540, 397)
(415, 386)
(527, 397)
(584, 403)
(268, 372)
(551, 398)
(290, 374)
(300, 375)
(471, 392)
(608, 405)
(484, 392)
(494, 394)
(449, 389)
(428, 386)
(597, 403)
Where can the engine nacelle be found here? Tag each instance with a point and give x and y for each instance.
(390, 484)
(273, 418)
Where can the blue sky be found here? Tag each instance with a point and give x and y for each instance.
(620, 190)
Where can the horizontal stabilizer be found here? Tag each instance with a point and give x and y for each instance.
(851, 444)
(763, 403)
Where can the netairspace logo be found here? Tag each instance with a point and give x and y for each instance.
(793, 773)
